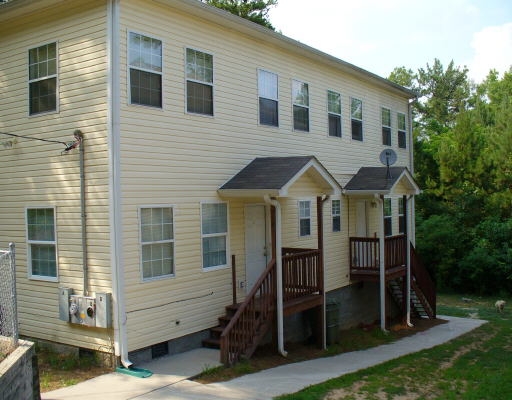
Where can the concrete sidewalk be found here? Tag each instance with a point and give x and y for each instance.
(170, 373)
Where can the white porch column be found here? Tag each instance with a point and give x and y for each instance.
(382, 266)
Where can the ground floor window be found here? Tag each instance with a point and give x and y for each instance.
(214, 231)
(157, 242)
(42, 243)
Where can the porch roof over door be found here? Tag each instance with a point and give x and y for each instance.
(382, 181)
(273, 176)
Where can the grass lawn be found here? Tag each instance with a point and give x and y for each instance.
(477, 365)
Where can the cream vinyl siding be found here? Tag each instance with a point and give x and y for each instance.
(35, 174)
(170, 156)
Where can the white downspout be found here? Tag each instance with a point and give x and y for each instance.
(408, 250)
(113, 95)
(279, 276)
(382, 279)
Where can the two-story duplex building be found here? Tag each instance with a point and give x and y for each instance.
(163, 159)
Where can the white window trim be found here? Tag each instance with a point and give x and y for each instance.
(390, 216)
(57, 102)
(128, 83)
(30, 242)
(197, 81)
(309, 218)
(216, 267)
(335, 215)
(387, 126)
(398, 130)
(356, 119)
(333, 113)
(303, 106)
(270, 98)
(173, 240)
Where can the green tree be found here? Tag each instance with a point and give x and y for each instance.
(253, 10)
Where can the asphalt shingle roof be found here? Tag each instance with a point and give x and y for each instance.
(375, 178)
(267, 173)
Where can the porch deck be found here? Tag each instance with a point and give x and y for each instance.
(365, 258)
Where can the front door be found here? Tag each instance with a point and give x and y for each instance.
(361, 219)
(255, 243)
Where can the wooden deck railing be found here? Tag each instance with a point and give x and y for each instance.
(302, 273)
(364, 253)
(241, 334)
(422, 279)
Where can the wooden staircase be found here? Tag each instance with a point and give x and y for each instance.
(213, 342)
(423, 292)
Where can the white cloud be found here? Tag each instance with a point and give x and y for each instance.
(492, 50)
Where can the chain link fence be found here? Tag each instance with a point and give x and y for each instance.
(8, 305)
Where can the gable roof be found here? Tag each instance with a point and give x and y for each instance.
(273, 176)
(381, 180)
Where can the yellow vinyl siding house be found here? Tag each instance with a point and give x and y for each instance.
(209, 152)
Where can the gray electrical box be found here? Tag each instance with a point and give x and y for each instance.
(64, 294)
(103, 310)
(94, 311)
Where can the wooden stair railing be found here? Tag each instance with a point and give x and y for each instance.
(422, 284)
(252, 319)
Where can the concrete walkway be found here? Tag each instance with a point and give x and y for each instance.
(170, 373)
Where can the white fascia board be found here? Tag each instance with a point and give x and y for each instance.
(249, 192)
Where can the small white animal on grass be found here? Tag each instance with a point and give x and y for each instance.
(500, 305)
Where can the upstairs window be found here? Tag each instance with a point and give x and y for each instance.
(42, 73)
(300, 96)
(157, 242)
(401, 215)
(304, 218)
(336, 215)
(214, 231)
(356, 114)
(199, 70)
(334, 113)
(386, 126)
(388, 223)
(145, 61)
(42, 243)
(402, 131)
(268, 98)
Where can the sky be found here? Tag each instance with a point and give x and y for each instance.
(379, 35)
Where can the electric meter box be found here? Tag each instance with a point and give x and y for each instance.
(94, 311)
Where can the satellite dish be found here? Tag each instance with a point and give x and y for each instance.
(388, 157)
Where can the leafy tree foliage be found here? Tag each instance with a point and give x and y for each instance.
(463, 161)
(253, 10)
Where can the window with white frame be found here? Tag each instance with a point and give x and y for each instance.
(401, 215)
(334, 113)
(145, 62)
(42, 243)
(42, 71)
(356, 114)
(304, 218)
(386, 126)
(199, 71)
(402, 131)
(336, 215)
(157, 242)
(388, 222)
(300, 97)
(214, 231)
(268, 98)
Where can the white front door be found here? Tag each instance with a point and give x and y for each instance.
(361, 219)
(255, 243)
(361, 257)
